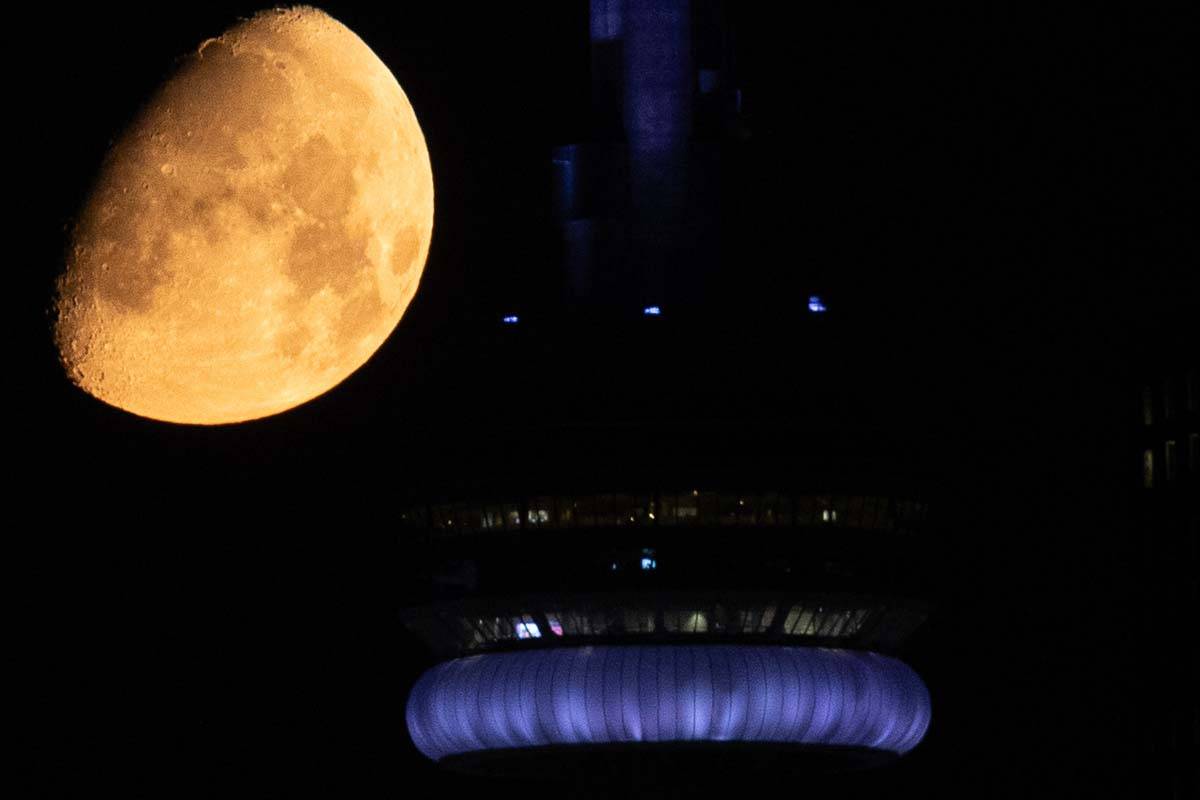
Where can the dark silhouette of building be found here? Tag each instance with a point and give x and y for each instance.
(1162, 548)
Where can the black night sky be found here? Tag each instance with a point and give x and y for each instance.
(996, 206)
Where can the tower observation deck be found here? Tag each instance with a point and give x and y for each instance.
(684, 533)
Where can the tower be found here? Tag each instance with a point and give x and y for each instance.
(686, 541)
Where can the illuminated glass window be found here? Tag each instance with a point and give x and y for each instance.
(845, 623)
(687, 510)
(754, 620)
(541, 511)
(695, 507)
(1147, 406)
(492, 518)
(495, 629)
(474, 636)
(511, 516)
(639, 621)
(526, 628)
(800, 621)
(1169, 459)
(831, 622)
(685, 620)
(1148, 469)
(575, 623)
(584, 623)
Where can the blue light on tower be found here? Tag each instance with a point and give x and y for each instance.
(510, 319)
(668, 693)
(648, 559)
(652, 311)
(815, 305)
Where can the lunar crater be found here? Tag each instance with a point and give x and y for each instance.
(321, 180)
(230, 263)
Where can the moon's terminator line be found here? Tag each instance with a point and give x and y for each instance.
(255, 235)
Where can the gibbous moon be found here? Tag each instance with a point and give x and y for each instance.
(255, 235)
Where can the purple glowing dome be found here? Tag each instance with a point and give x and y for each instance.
(692, 693)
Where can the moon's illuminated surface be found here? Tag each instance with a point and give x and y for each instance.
(255, 235)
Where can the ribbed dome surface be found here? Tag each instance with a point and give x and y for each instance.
(598, 695)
